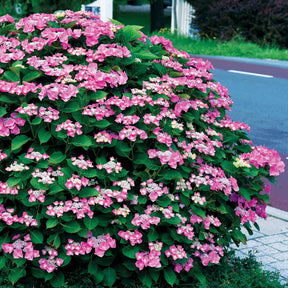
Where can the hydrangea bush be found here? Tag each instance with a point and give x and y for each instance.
(117, 156)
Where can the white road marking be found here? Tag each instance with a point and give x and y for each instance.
(249, 73)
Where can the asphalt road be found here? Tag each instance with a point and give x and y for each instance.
(259, 89)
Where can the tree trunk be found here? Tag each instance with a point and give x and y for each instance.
(157, 15)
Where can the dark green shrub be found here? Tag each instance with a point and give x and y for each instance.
(264, 22)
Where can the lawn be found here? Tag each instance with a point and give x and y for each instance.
(236, 48)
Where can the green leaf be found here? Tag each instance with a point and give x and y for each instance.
(50, 223)
(145, 278)
(153, 236)
(13, 181)
(71, 106)
(58, 280)
(36, 237)
(11, 76)
(146, 54)
(54, 239)
(198, 211)
(93, 267)
(123, 149)
(131, 32)
(130, 251)
(91, 223)
(245, 193)
(81, 141)
(2, 111)
(170, 276)
(15, 274)
(2, 261)
(109, 276)
(31, 76)
(72, 227)
(36, 121)
(43, 135)
(97, 95)
(102, 124)
(56, 158)
(19, 141)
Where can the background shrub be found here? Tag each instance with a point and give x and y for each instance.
(117, 157)
(264, 22)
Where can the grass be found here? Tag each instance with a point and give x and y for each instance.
(236, 47)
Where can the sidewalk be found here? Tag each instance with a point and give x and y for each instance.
(270, 244)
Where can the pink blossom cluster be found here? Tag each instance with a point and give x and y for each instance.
(5, 189)
(218, 182)
(120, 196)
(55, 90)
(81, 163)
(52, 263)
(9, 53)
(262, 156)
(176, 252)
(70, 127)
(101, 244)
(15, 167)
(108, 50)
(248, 210)
(134, 237)
(162, 137)
(99, 110)
(38, 21)
(47, 114)
(19, 246)
(35, 155)
(127, 120)
(47, 177)
(10, 125)
(2, 155)
(186, 266)
(145, 220)
(187, 230)
(36, 43)
(111, 166)
(105, 137)
(123, 211)
(131, 132)
(76, 182)
(36, 195)
(6, 216)
(196, 198)
(154, 190)
(169, 156)
(6, 18)
(167, 212)
(80, 207)
(151, 258)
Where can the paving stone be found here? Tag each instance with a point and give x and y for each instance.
(280, 265)
(265, 250)
(280, 246)
(272, 238)
(281, 256)
(264, 259)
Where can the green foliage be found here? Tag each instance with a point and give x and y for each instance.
(118, 161)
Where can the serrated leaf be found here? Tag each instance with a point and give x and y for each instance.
(102, 124)
(93, 267)
(51, 223)
(130, 251)
(19, 141)
(13, 181)
(91, 223)
(198, 211)
(43, 135)
(131, 32)
(31, 76)
(15, 274)
(145, 278)
(72, 227)
(36, 237)
(2, 261)
(2, 111)
(170, 276)
(11, 76)
(56, 158)
(36, 121)
(81, 141)
(58, 279)
(123, 149)
(97, 95)
(109, 276)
